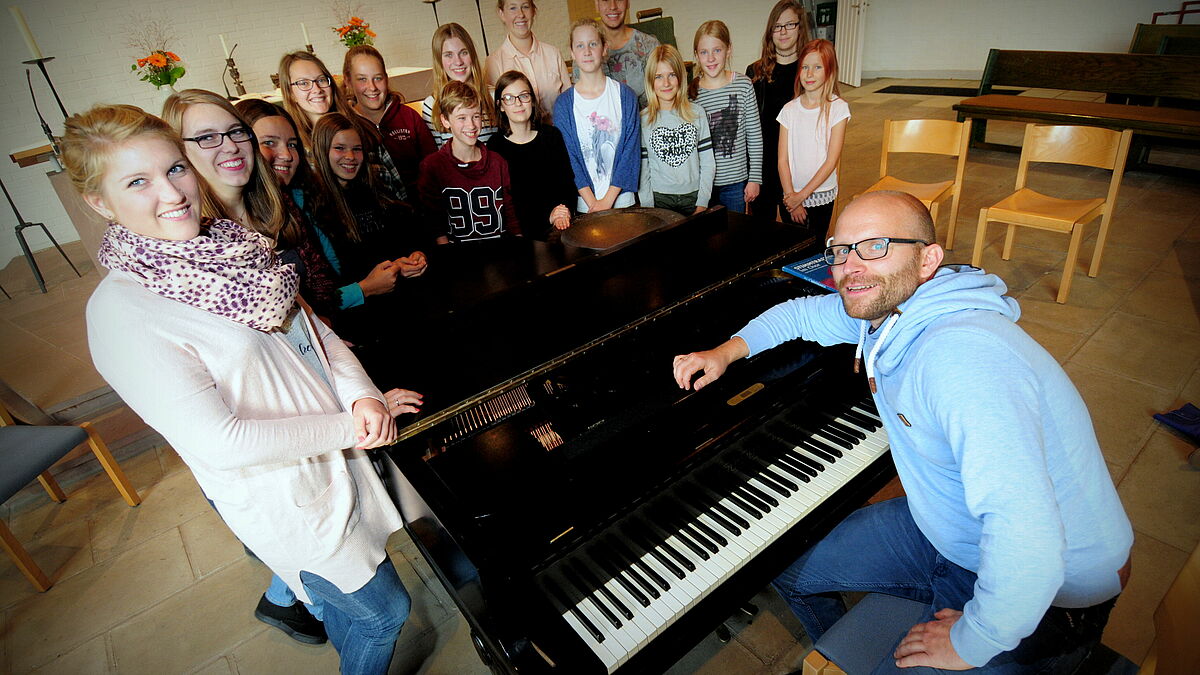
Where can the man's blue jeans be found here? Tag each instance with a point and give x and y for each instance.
(879, 549)
(363, 625)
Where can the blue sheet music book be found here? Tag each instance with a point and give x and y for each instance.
(813, 270)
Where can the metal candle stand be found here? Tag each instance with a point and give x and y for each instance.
(41, 64)
(19, 229)
(237, 77)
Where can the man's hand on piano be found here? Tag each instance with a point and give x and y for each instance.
(373, 426)
(713, 362)
(402, 401)
(928, 644)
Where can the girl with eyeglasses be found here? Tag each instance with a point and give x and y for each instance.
(774, 78)
(309, 91)
(543, 192)
(200, 331)
(236, 185)
(279, 142)
(455, 58)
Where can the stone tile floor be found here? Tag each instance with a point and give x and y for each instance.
(165, 588)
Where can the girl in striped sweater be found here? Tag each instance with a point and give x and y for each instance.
(728, 101)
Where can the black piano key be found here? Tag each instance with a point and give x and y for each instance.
(589, 595)
(645, 541)
(846, 428)
(709, 508)
(748, 496)
(700, 537)
(745, 506)
(604, 559)
(822, 444)
(782, 480)
(785, 463)
(860, 419)
(835, 434)
(660, 538)
(678, 556)
(736, 522)
(799, 461)
(768, 502)
(712, 534)
(766, 479)
(836, 439)
(570, 606)
(813, 449)
(605, 591)
(685, 537)
(718, 514)
(639, 571)
(809, 462)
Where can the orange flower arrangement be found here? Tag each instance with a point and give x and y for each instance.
(160, 68)
(355, 32)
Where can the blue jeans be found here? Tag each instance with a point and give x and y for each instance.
(363, 625)
(879, 549)
(732, 196)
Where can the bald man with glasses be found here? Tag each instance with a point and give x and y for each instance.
(1011, 532)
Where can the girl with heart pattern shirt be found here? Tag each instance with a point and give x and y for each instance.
(678, 165)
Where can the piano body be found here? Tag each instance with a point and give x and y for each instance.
(585, 514)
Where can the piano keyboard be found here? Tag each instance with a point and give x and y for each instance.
(720, 519)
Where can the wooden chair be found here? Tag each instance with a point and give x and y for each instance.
(935, 137)
(1083, 146)
(28, 451)
(653, 22)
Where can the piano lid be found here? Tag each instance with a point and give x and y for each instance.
(487, 312)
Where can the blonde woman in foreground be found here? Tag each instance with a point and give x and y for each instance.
(199, 329)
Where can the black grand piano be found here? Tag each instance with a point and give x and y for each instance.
(585, 514)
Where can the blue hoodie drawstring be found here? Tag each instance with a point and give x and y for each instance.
(887, 328)
(862, 336)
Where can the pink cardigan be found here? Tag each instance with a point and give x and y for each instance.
(266, 438)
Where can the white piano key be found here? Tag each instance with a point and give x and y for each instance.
(600, 649)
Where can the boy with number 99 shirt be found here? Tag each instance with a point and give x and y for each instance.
(464, 186)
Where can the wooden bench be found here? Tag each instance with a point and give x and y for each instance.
(1119, 76)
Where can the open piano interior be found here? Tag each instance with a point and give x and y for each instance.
(585, 513)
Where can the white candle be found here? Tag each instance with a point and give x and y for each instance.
(224, 47)
(29, 41)
(307, 40)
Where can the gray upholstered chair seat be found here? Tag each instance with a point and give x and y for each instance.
(26, 452)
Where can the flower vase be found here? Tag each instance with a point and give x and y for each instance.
(161, 95)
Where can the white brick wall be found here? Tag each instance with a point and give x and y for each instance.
(88, 41)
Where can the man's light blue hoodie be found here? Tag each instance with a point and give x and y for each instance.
(993, 444)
